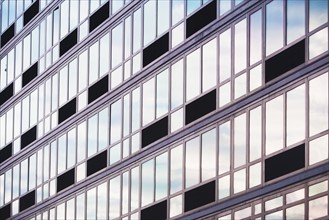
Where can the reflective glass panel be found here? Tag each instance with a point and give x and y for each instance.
(193, 75)
(318, 13)
(274, 125)
(274, 26)
(224, 147)
(148, 101)
(225, 55)
(116, 126)
(240, 140)
(295, 20)
(92, 135)
(209, 65)
(147, 182)
(296, 115)
(149, 21)
(162, 88)
(177, 84)
(161, 176)
(192, 162)
(240, 46)
(176, 169)
(208, 155)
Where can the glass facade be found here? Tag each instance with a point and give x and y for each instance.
(133, 109)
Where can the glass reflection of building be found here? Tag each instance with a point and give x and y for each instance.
(183, 109)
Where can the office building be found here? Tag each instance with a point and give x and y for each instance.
(164, 109)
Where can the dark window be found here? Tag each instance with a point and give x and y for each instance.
(7, 93)
(6, 152)
(27, 201)
(96, 163)
(65, 180)
(200, 107)
(285, 61)
(156, 49)
(31, 12)
(68, 42)
(201, 18)
(7, 35)
(285, 162)
(30, 74)
(199, 196)
(67, 111)
(98, 89)
(28, 137)
(5, 212)
(157, 211)
(155, 131)
(99, 17)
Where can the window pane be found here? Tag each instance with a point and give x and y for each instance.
(117, 45)
(255, 140)
(274, 125)
(91, 204)
(192, 5)
(149, 21)
(134, 189)
(64, 16)
(225, 55)
(104, 54)
(63, 79)
(81, 141)
(255, 37)
(296, 115)
(137, 30)
(240, 47)
(163, 16)
(147, 182)
(83, 68)
(148, 101)
(103, 129)
(116, 121)
(318, 13)
(318, 150)
(73, 78)
(135, 122)
(240, 140)
(209, 65)
(177, 84)
(93, 63)
(176, 166)
(318, 104)
(161, 163)
(295, 20)
(193, 75)
(177, 11)
(102, 196)
(71, 147)
(208, 160)
(62, 148)
(162, 93)
(192, 162)
(274, 26)
(92, 135)
(224, 147)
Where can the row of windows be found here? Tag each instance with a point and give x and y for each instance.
(200, 68)
(240, 145)
(13, 10)
(307, 201)
(42, 44)
(125, 195)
